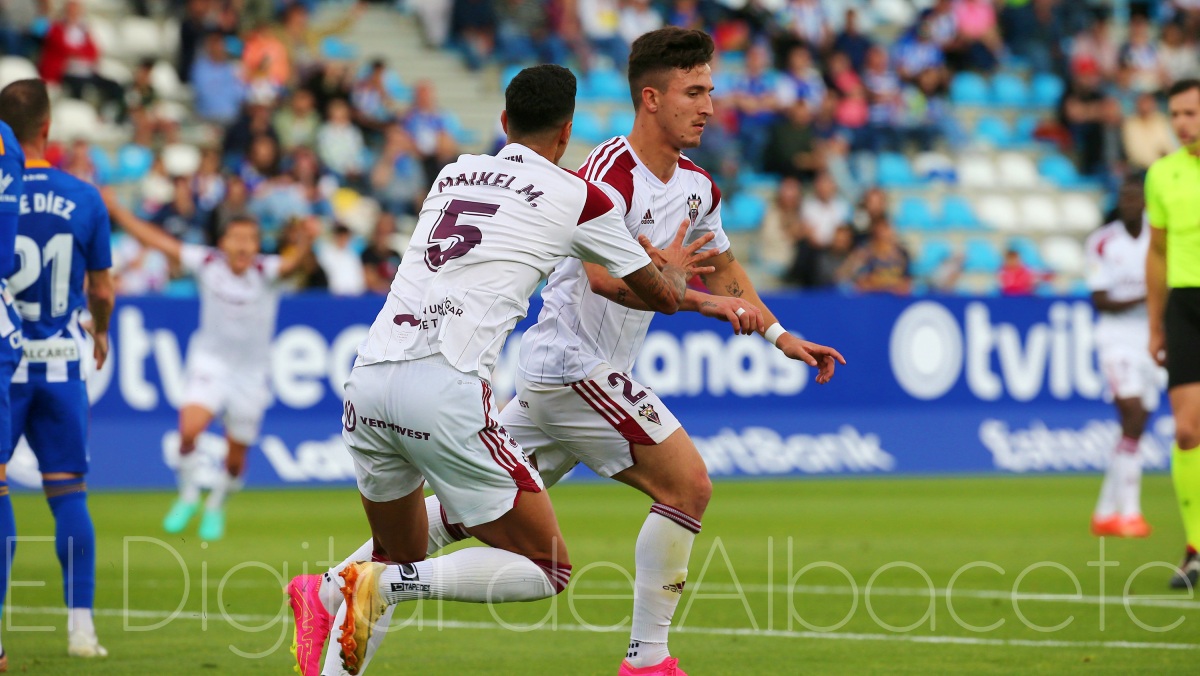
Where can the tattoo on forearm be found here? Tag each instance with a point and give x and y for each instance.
(729, 256)
(622, 294)
(677, 277)
(708, 304)
(734, 289)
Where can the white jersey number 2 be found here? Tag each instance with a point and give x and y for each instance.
(57, 255)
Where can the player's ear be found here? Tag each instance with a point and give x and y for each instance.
(45, 131)
(504, 121)
(564, 135)
(650, 99)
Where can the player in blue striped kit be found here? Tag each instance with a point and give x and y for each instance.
(12, 170)
(62, 241)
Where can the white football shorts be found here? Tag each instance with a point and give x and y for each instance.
(595, 421)
(1131, 373)
(424, 420)
(239, 395)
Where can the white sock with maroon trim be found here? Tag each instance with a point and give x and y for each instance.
(661, 557)
(1128, 463)
(474, 575)
(442, 533)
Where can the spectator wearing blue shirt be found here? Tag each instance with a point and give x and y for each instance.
(802, 81)
(916, 53)
(217, 83)
(756, 100)
(398, 179)
(851, 42)
(883, 94)
(429, 127)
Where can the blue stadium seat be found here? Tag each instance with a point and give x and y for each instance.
(980, 255)
(957, 213)
(588, 127)
(620, 122)
(105, 169)
(133, 162)
(914, 213)
(608, 85)
(894, 171)
(994, 130)
(1024, 129)
(1047, 89)
(334, 49)
(1009, 90)
(507, 76)
(458, 131)
(752, 180)
(744, 212)
(1029, 252)
(1060, 169)
(933, 253)
(395, 87)
(969, 89)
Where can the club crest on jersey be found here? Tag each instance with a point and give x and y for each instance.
(349, 420)
(647, 411)
(693, 207)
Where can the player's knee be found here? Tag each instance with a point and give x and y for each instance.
(235, 466)
(558, 573)
(1187, 433)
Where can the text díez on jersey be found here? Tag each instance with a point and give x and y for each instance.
(48, 203)
(490, 179)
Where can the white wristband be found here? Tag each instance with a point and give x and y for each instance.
(773, 333)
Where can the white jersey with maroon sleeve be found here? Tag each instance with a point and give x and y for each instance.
(237, 312)
(1116, 264)
(578, 329)
(490, 231)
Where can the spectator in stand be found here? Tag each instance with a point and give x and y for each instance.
(801, 81)
(791, 149)
(340, 144)
(756, 103)
(926, 115)
(831, 266)
(342, 264)
(332, 80)
(264, 55)
(235, 204)
(1096, 47)
(600, 21)
(255, 121)
(943, 27)
(303, 41)
(434, 17)
(297, 122)
(217, 83)
(781, 229)
(881, 264)
(1178, 53)
(71, 58)
(192, 31)
(78, 162)
(20, 21)
(851, 42)
(872, 207)
(380, 260)
(429, 127)
(276, 201)
(524, 34)
(806, 21)
(373, 107)
(136, 269)
(637, 18)
(473, 29)
(141, 100)
(398, 179)
(689, 14)
(181, 219)
(1018, 279)
(1140, 56)
(883, 95)
(260, 164)
(979, 33)
(316, 186)
(308, 274)
(208, 185)
(1034, 30)
(1147, 134)
(823, 211)
(1084, 112)
(916, 54)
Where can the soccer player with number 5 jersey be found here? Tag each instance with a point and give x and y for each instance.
(63, 242)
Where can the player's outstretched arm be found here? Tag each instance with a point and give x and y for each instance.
(1104, 303)
(294, 255)
(729, 278)
(1156, 293)
(662, 285)
(147, 233)
(101, 297)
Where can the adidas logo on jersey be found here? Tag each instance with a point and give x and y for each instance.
(515, 158)
(648, 219)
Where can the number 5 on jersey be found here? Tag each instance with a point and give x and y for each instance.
(450, 239)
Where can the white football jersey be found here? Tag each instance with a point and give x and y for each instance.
(491, 229)
(1116, 263)
(578, 329)
(237, 312)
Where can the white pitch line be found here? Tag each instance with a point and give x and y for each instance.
(700, 631)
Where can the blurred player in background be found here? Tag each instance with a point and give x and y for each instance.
(63, 241)
(1173, 265)
(576, 400)
(229, 355)
(419, 405)
(1117, 278)
(12, 181)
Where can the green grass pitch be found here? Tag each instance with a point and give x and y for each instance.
(873, 547)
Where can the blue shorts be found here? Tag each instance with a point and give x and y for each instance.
(54, 419)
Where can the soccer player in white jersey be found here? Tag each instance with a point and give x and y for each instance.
(576, 400)
(1116, 275)
(418, 403)
(228, 355)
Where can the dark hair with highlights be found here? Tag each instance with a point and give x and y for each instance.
(25, 106)
(539, 99)
(661, 51)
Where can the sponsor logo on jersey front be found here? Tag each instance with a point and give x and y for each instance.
(693, 204)
(647, 411)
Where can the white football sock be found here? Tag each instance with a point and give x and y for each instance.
(185, 473)
(331, 588)
(663, 549)
(225, 486)
(1129, 487)
(441, 533)
(1108, 504)
(79, 620)
(474, 575)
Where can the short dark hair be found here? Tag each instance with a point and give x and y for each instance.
(539, 99)
(1182, 87)
(658, 52)
(25, 106)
